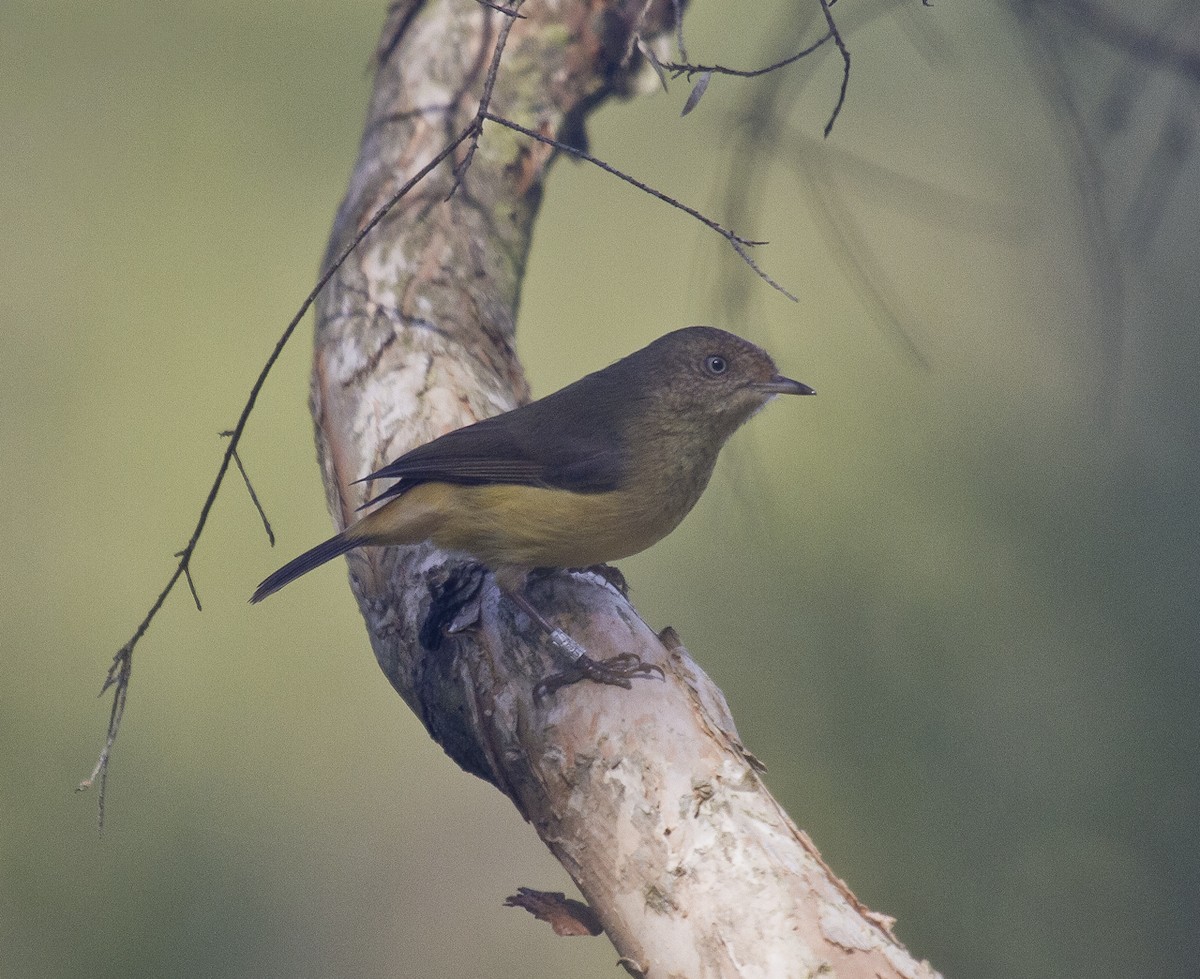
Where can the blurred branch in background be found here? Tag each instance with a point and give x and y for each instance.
(1123, 94)
(1123, 98)
(763, 119)
(1166, 46)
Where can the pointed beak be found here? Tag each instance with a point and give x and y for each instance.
(784, 385)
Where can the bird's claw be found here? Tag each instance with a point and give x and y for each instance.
(617, 671)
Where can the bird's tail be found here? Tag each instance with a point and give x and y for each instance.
(310, 559)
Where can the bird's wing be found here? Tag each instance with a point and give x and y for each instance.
(530, 446)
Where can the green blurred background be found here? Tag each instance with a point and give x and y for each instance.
(952, 600)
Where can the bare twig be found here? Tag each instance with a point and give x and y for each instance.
(187, 576)
(122, 665)
(253, 496)
(678, 68)
(736, 241)
(507, 11)
(761, 118)
(841, 46)
(485, 99)
(121, 669)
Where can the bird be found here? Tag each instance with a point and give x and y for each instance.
(595, 472)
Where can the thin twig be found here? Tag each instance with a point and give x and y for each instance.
(507, 11)
(485, 99)
(187, 576)
(736, 241)
(121, 669)
(122, 665)
(841, 46)
(237, 459)
(684, 68)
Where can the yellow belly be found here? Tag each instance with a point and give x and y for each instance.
(525, 526)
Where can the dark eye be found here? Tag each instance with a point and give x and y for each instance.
(715, 364)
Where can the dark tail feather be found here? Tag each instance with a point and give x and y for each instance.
(304, 563)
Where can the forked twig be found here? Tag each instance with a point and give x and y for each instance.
(485, 100)
(736, 241)
(237, 459)
(845, 52)
(678, 68)
(121, 669)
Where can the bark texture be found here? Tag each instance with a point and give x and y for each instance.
(646, 796)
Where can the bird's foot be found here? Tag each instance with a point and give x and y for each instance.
(617, 671)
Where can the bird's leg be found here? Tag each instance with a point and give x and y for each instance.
(617, 671)
(574, 650)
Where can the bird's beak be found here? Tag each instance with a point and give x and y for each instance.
(783, 385)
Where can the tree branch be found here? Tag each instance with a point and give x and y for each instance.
(736, 241)
(646, 796)
(1125, 36)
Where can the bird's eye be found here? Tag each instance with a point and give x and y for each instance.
(715, 364)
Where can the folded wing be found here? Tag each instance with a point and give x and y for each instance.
(535, 445)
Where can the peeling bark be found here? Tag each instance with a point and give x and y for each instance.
(646, 796)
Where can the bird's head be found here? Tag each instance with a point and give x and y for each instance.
(709, 379)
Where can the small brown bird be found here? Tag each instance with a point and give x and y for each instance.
(588, 475)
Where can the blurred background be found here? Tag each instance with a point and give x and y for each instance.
(952, 600)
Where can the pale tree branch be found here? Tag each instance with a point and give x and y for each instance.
(1128, 138)
(646, 796)
(401, 14)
